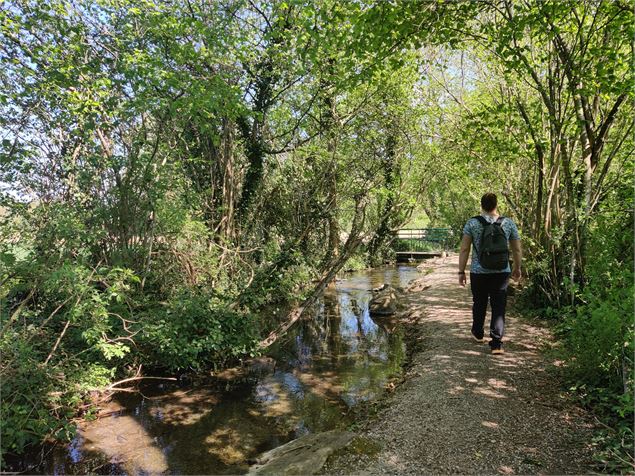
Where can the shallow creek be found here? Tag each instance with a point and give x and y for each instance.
(313, 380)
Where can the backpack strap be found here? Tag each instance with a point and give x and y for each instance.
(484, 223)
(481, 220)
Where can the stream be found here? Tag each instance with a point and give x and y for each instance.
(312, 380)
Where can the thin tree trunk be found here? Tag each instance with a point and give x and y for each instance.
(229, 183)
(351, 245)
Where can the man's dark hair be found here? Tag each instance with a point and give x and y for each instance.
(489, 202)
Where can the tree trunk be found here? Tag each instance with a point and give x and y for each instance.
(336, 264)
(228, 182)
(384, 228)
(329, 123)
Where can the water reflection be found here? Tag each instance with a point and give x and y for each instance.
(329, 362)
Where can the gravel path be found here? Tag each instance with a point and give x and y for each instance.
(462, 410)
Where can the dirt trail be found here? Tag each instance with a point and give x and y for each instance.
(462, 410)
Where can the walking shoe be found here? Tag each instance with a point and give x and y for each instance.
(480, 340)
(496, 347)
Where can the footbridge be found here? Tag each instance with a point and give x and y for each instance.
(421, 243)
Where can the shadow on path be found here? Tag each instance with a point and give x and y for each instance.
(462, 410)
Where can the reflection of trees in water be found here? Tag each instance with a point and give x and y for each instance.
(334, 358)
(366, 332)
(316, 336)
(358, 313)
(396, 350)
(365, 379)
(340, 336)
(321, 406)
(332, 320)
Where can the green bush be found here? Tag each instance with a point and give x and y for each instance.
(355, 263)
(73, 321)
(598, 333)
(58, 341)
(599, 345)
(27, 396)
(284, 278)
(39, 400)
(600, 336)
(196, 331)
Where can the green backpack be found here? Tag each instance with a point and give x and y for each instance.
(494, 248)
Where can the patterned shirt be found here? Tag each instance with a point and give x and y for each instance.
(474, 229)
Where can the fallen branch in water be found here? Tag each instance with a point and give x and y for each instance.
(113, 386)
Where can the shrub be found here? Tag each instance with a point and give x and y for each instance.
(196, 331)
(599, 333)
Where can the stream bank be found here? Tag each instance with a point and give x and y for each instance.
(322, 375)
(462, 410)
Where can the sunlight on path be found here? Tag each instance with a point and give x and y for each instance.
(463, 410)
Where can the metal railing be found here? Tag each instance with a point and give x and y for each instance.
(422, 239)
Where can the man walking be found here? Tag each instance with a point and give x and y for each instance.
(490, 236)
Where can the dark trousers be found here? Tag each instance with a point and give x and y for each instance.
(492, 287)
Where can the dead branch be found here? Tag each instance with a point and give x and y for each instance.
(113, 386)
(57, 342)
(16, 314)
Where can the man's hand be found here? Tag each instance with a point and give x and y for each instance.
(466, 242)
(518, 256)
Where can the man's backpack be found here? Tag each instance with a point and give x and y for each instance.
(493, 252)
